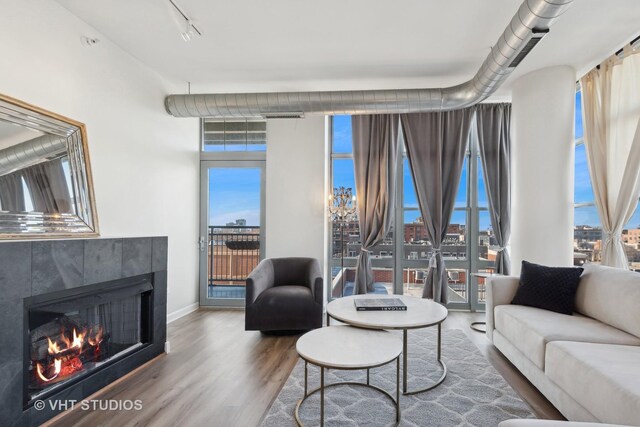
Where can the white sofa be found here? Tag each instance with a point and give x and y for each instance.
(588, 364)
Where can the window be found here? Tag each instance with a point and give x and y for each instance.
(345, 236)
(407, 273)
(234, 135)
(587, 231)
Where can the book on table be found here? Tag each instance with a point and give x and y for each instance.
(379, 304)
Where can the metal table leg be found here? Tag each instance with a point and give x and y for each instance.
(398, 390)
(322, 395)
(479, 327)
(404, 361)
(305, 377)
(405, 365)
(323, 386)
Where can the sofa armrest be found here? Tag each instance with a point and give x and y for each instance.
(260, 279)
(500, 291)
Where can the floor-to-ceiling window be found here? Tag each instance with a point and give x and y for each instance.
(401, 262)
(587, 233)
(232, 207)
(345, 235)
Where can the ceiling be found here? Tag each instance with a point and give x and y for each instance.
(280, 45)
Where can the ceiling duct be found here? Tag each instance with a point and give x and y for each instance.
(32, 152)
(532, 21)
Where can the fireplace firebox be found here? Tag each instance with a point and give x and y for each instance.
(72, 336)
(76, 315)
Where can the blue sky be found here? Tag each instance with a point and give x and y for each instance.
(234, 193)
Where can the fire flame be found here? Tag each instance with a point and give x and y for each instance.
(68, 353)
(95, 342)
(77, 339)
(53, 347)
(57, 367)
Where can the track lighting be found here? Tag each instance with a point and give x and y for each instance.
(188, 33)
(189, 30)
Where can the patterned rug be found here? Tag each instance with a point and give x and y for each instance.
(473, 394)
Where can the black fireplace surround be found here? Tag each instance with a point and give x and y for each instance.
(76, 315)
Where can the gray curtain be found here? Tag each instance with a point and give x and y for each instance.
(11, 193)
(375, 155)
(494, 139)
(436, 146)
(48, 187)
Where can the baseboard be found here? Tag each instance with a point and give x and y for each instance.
(171, 317)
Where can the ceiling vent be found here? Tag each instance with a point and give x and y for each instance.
(536, 36)
(283, 115)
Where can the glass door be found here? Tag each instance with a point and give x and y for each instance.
(231, 229)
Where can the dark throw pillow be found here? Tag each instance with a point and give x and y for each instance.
(549, 288)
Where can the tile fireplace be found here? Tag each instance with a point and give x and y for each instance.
(76, 315)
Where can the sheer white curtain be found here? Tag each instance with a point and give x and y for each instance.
(611, 106)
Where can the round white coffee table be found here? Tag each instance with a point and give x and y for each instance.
(347, 348)
(420, 313)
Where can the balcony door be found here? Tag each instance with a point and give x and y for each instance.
(231, 229)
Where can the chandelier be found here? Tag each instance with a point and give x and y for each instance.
(342, 205)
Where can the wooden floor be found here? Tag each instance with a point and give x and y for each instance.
(217, 374)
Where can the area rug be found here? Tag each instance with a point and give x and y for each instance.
(473, 394)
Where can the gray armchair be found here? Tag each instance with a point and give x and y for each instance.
(284, 294)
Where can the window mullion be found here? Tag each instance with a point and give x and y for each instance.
(398, 233)
(472, 221)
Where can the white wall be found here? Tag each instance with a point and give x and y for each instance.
(145, 163)
(295, 189)
(542, 167)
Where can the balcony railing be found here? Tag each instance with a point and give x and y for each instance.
(233, 252)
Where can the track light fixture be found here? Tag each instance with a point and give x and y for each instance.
(189, 30)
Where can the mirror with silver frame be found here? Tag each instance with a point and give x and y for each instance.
(46, 188)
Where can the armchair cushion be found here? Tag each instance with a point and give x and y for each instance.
(286, 304)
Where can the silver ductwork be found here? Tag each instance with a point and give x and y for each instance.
(31, 152)
(529, 24)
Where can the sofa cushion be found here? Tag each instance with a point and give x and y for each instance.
(611, 295)
(550, 288)
(529, 329)
(604, 378)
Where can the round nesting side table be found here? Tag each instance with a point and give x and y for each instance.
(420, 313)
(347, 348)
